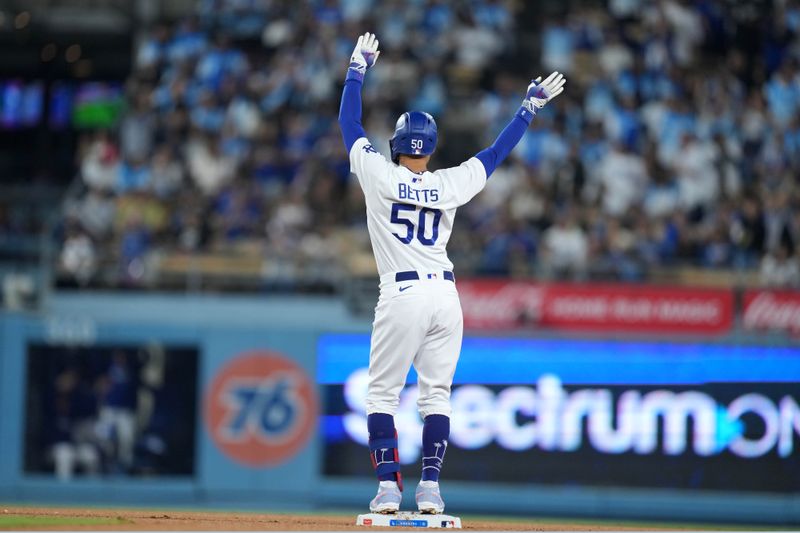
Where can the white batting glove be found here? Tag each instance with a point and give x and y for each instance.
(365, 53)
(540, 92)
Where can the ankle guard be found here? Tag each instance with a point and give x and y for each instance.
(386, 460)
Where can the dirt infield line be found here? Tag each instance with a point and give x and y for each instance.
(90, 519)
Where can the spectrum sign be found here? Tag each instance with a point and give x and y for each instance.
(712, 414)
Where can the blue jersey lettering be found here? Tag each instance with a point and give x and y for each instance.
(406, 192)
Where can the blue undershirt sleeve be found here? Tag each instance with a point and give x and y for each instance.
(350, 109)
(492, 156)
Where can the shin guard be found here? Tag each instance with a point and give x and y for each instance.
(383, 448)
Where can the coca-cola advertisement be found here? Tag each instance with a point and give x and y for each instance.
(772, 311)
(508, 305)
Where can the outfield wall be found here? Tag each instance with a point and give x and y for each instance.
(689, 428)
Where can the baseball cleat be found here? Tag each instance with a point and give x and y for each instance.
(387, 501)
(429, 501)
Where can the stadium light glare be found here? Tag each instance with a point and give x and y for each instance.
(73, 53)
(22, 20)
(49, 52)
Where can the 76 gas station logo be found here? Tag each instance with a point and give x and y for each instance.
(260, 409)
(267, 409)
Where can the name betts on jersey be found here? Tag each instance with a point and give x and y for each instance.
(410, 216)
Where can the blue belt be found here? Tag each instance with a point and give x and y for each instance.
(408, 275)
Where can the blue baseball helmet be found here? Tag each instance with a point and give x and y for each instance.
(414, 134)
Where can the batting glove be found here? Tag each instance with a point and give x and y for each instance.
(540, 92)
(365, 54)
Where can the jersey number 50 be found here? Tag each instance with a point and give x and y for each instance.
(421, 224)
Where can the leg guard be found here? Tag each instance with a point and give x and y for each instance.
(383, 447)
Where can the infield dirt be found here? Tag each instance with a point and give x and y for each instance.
(143, 520)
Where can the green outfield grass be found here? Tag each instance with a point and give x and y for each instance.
(10, 521)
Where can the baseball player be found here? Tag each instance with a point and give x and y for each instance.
(418, 319)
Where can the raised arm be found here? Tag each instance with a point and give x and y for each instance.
(364, 56)
(539, 93)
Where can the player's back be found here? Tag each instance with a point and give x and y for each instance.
(409, 215)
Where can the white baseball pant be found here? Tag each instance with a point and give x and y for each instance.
(417, 322)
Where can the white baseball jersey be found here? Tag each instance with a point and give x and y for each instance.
(410, 216)
(417, 322)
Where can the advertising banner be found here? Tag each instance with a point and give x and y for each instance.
(772, 311)
(507, 305)
(641, 414)
(260, 409)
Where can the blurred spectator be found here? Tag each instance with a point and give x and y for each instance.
(558, 46)
(134, 244)
(137, 128)
(474, 44)
(623, 180)
(94, 213)
(209, 168)
(100, 166)
(565, 250)
(117, 420)
(662, 196)
(614, 56)
(782, 92)
(134, 175)
(75, 444)
(78, 257)
(290, 219)
(778, 269)
(166, 173)
(686, 29)
(238, 212)
(698, 181)
(153, 49)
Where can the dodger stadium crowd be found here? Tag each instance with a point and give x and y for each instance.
(676, 147)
